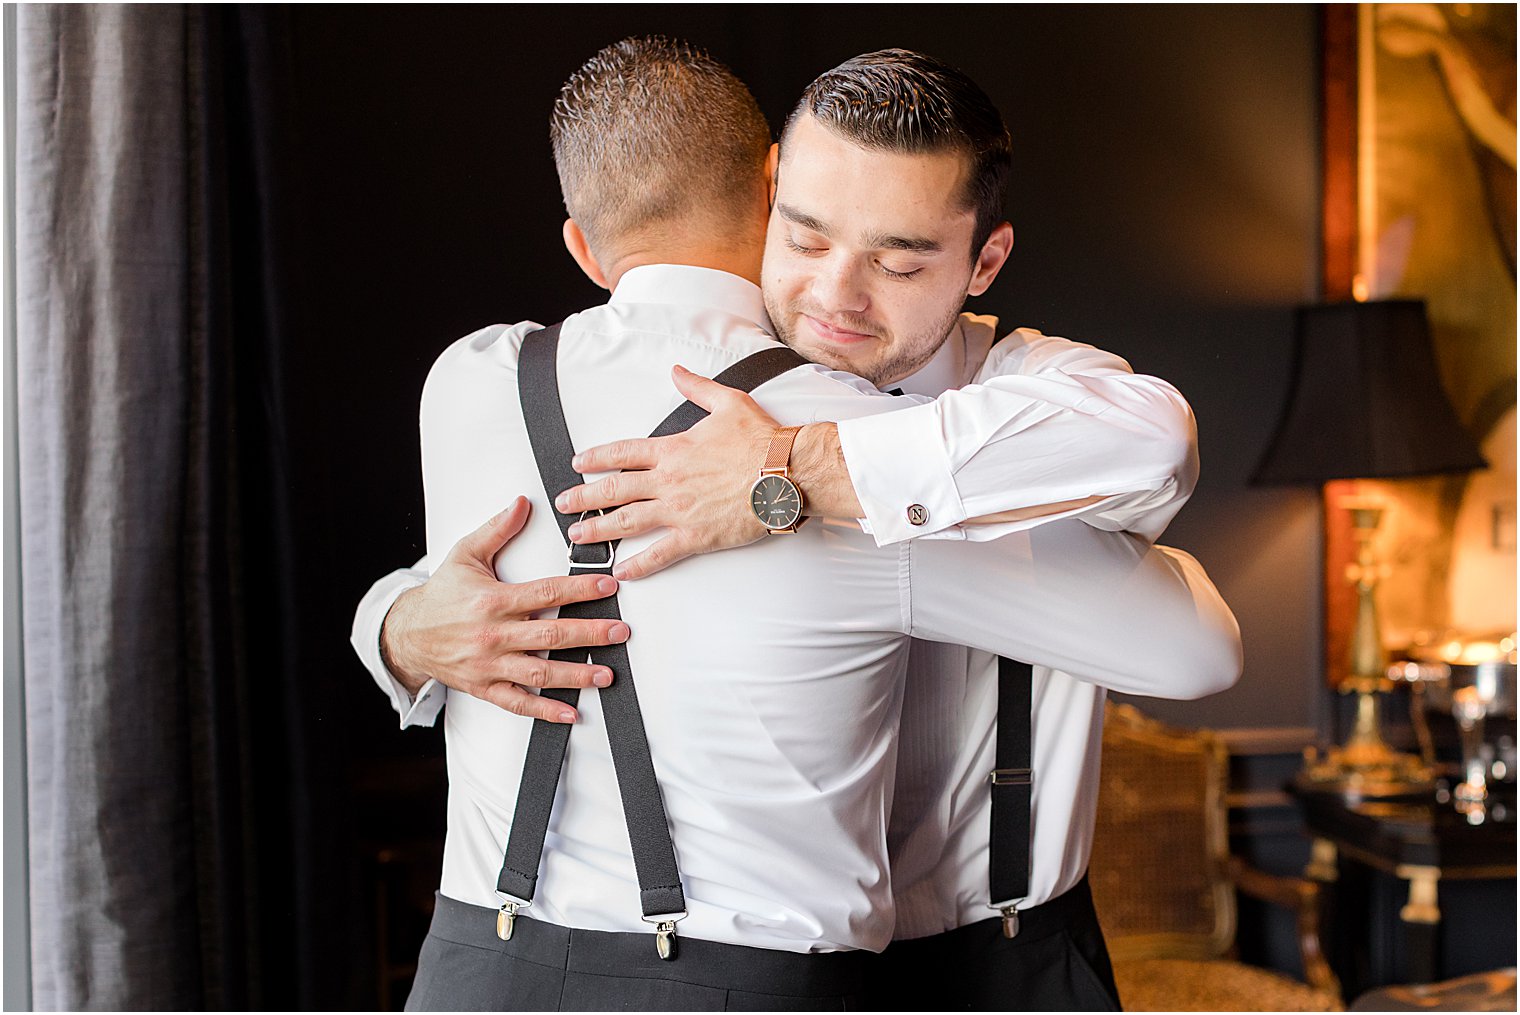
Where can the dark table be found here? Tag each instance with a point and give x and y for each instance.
(1422, 843)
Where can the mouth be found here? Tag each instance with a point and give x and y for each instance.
(835, 335)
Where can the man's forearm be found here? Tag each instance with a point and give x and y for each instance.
(819, 469)
(822, 474)
(1048, 427)
(370, 622)
(409, 679)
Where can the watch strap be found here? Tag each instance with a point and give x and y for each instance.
(779, 453)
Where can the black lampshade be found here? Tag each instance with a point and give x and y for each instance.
(1366, 400)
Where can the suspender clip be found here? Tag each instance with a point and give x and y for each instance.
(1012, 776)
(665, 933)
(665, 939)
(506, 917)
(1010, 921)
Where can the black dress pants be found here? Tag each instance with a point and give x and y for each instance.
(1058, 962)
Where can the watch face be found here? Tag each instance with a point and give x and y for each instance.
(775, 501)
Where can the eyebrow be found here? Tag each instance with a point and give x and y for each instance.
(874, 241)
(802, 219)
(914, 244)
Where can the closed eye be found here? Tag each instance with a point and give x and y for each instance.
(799, 248)
(898, 274)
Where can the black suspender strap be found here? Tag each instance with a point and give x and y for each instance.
(661, 898)
(746, 375)
(1012, 782)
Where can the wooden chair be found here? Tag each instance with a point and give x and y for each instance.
(1164, 882)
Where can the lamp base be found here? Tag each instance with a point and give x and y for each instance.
(1356, 773)
(1366, 768)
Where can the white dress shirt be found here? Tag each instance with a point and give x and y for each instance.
(770, 677)
(1032, 420)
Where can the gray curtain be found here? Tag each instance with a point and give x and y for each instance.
(132, 478)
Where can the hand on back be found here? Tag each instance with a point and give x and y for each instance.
(476, 634)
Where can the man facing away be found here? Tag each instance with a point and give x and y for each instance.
(769, 677)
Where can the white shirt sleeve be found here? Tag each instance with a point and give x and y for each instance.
(1045, 420)
(423, 709)
(1105, 607)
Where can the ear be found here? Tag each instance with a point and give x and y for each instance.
(990, 261)
(772, 165)
(575, 242)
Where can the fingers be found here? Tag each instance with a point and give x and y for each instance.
(521, 673)
(707, 393)
(485, 542)
(624, 523)
(552, 635)
(609, 491)
(519, 702)
(532, 672)
(547, 593)
(657, 558)
(637, 453)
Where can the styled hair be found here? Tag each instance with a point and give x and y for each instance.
(901, 101)
(651, 132)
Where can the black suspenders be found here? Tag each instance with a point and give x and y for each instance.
(661, 898)
(1008, 844)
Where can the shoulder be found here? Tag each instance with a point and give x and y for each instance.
(488, 351)
(473, 368)
(813, 393)
(1029, 351)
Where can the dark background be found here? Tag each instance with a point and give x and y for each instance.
(1165, 202)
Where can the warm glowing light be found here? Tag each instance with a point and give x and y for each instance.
(1359, 290)
(1476, 653)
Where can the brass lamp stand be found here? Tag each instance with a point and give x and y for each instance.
(1366, 766)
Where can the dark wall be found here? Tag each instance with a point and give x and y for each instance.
(1164, 201)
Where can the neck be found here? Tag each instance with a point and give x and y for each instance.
(740, 257)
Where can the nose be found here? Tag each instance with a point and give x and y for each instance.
(838, 288)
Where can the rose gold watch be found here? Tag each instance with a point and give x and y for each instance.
(774, 498)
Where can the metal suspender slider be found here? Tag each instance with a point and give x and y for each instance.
(1012, 777)
(591, 565)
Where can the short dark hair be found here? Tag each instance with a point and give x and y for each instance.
(650, 131)
(902, 101)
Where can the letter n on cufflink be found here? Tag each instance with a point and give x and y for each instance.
(917, 514)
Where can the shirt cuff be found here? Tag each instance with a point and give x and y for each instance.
(902, 475)
(425, 707)
(421, 710)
